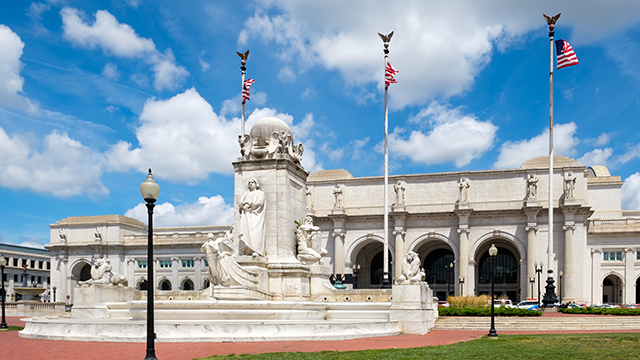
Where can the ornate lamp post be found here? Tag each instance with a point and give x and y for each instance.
(3, 263)
(356, 271)
(532, 281)
(560, 283)
(54, 293)
(150, 191)
(538, 271)
(493, 251)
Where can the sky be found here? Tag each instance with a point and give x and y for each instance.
(93, 93)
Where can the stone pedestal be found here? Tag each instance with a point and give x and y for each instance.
(90, 302)
(320, 284)
(413, 308)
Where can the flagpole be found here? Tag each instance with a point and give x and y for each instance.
(386, 283)
(550, 297)
(243, 61)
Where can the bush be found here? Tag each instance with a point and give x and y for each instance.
(486, 311)
(601, 311)
(475, 301)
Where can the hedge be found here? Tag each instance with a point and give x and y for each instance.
(485, 311)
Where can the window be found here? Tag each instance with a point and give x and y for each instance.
(15, 278)
(638, 255)
(165, 264)
(48, 280)
(39, 279)
(15, 261)
(40, 263)
(187, 263)
(206, 263)
(612, 256)
(48, 265)
(142, 264)
(33, 264)
(25, 262)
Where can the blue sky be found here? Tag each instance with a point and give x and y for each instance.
(94, 93)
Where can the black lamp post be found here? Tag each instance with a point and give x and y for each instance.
(560, 284)
(356, 271)
(538, 271)
(54, 293)
(493, 251)
(3, 263)
(532, 281)
(150, 191)
(449, 278)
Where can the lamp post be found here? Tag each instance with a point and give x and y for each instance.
(560, 283)
(538, 271)
(150, 191)
(449, 278)
(3, 263)
(356, 271)
(461, 281)
(54, 293)
(532, 281)
(493, 251)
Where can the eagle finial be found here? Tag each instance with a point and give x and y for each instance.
(243, 56)
(551, 21)
(386, 38)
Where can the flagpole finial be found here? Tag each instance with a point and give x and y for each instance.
(386, 39)
(244, 58)
(551, 21)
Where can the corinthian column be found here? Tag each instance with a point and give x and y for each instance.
(464, 256)
(567, 281)
(338, 258)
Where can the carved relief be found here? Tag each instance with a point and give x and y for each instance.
(101, 274)
(308, 238)
(223, 269)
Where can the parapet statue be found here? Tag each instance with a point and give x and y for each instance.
(399, 189)
(308, 236)
(569, 185)
(411, 271)
(252, 220)
(337, 192)
(532, 186)
(464, 190)
(101, 274)
(223, 269)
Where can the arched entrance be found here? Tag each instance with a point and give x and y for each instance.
(507, 275)
(612, 289)
(165, 285)
(187, 285)
(437, 257)
(370, 258)
(638, 291)
(142, 285)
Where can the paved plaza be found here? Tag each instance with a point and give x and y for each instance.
(17, 348)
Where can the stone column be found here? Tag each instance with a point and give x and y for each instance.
(532, 229)
(596, 284)
(131, 276)
(338, 256)
(569, 253)
(154, 281)
(175, 279)
(399, 233)
(630, 284)
(463, 239)
(197, 263)
(64, 290)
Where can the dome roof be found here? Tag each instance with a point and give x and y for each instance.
(263, 129)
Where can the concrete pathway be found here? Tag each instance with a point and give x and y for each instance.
(16, 348)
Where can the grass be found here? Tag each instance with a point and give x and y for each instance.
(15, 328)
(570, 346)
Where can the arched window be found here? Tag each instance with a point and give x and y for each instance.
(187, 285)
(85, 272)
(506, 268)
(142, 285)
(165, 285)
(205, 284)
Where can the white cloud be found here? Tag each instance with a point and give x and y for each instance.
(36, 10)
(110, 71)
(515, 153)
(596, 157)
(10, 66)
(286, 75)
(64, 168)
(32, 244)
(206, 211)
(631, 153)
(568, 94)
(203, 64)
(631, 192)
(308, 94)
(439, 47)
(121, 40)
(603, 139)
(450, 136)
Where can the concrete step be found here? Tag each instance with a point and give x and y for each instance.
(538, 323)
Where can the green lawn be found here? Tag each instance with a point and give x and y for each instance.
(15, 328)
(580, 346)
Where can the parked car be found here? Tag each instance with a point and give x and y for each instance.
(630, 306)
(530, 304)
(501, 302)
(443, 304)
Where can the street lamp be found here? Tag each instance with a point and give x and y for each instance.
(493, 251)
(54, 293)
(449, 278)
(3, 263)
(461, 281)
(356, 271)
(150, 191)
(538, 271)
(532, 281)
(560, 283)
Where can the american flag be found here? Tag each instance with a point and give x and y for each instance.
(566, 56)
(245, 89)
(389, 71)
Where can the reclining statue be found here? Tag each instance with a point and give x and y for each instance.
(101, 274)
(223, 269)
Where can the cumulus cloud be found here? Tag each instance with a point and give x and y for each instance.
(448, 136)
(110, 71)
(631, 192)
(121, 40)
(286, 75)
(631, 153)
(596, 157)
(64, 167)
(206, 211)
(442, 45)
(10, 66)
(183, 140)
(515, 153)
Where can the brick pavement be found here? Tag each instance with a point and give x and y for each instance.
(16, 348)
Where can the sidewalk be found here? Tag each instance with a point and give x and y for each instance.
(16, 348)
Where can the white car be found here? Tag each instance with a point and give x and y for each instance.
(501, 302)
(528, 304)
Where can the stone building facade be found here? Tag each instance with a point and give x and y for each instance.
(38, 265)
(449, 219)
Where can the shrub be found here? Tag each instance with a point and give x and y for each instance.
(601, 311)
(485, 311)
(469, 300)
